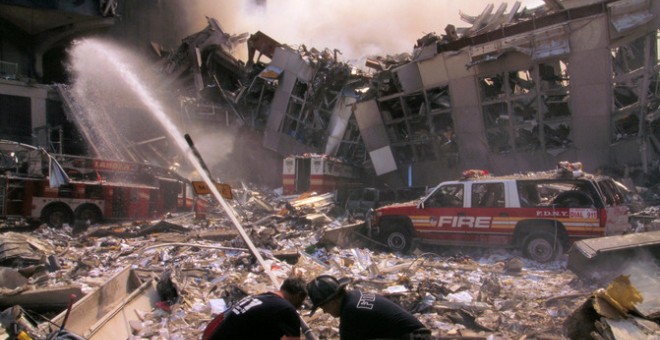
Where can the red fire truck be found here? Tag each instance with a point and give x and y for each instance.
(58, 189)
(320, 173)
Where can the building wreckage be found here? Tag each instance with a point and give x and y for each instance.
(514, 90)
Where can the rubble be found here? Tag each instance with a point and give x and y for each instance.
(457, 293)
(169, 278)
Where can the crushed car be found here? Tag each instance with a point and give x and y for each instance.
(540, 213)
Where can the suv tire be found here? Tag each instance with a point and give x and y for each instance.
(396, 237)
(542, 247)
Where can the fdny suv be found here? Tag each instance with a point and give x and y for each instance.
(541, 213)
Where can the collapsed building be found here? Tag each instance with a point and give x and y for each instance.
(512, 91)
(517, 91)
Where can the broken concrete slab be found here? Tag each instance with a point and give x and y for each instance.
(106, 312)
(604, 257)
(22, 249)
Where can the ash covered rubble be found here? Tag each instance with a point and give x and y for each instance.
(189, 269)
(178, 273)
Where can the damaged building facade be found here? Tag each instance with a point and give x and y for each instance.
(516, 90)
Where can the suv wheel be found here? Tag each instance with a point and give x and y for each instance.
(396, 238)
(542, 247)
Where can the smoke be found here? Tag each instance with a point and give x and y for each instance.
(357, 28)
(116, 121)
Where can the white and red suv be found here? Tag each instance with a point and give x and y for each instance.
(540, 213)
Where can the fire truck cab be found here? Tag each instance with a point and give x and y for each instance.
(540, 213)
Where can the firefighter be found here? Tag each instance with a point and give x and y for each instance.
(363, 315)
(269, 315)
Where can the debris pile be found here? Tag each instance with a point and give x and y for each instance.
(177, 274)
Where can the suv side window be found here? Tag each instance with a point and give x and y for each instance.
(448, 196)
(528, 192)
(488, 195)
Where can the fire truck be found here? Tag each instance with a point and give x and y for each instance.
(319, 173)
(36, 186)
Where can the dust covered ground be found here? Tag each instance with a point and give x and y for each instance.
(455, 292)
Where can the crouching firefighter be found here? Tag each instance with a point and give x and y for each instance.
(271, 315)
(363, 315)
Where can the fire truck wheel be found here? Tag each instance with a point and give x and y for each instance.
(396, 238)
(88, 214)
(56, 216)
(542, 247)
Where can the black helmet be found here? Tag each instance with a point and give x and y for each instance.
(323, 288)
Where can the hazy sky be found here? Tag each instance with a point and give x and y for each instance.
(356, 27)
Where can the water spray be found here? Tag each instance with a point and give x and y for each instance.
(185, 144)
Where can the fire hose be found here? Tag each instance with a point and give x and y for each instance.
(206, 176)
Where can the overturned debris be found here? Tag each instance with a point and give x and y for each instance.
(617, 312)
(603, 258)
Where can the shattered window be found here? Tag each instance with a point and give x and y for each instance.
(299, 89)
(626, 125)
(415, 104)
(492, 87)
(290, 127)
(398, 133)
(521, 82)
(516, 104)
(636, 90)
(496, 115)
(419, 125)
(441, 122)
(555, 92)
(557, 135)
(391, 109)
(525, 110)
(352, 147)
(625, 95)
(527, 138)
(420, 128)
(496, 120)
(439, 98)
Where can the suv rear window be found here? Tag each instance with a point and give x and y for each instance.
(611, 193)
(568, 193)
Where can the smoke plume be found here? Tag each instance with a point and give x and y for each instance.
(357, 28)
